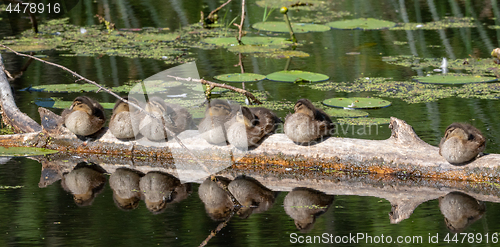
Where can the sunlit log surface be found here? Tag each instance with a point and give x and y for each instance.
(404, 194)
(403, 154)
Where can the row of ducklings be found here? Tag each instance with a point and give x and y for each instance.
(238, 125)
(223, 122)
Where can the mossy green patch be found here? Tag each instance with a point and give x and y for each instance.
(453, 78)
(411, 91)
(24, 151)
(65, 88)
(447, 22)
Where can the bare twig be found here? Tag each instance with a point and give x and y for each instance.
(240, 26)
(211, 15)
(118, 97)
(218, 229)
(214, 84)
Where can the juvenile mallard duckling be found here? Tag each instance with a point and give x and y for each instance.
(307, 123)
(125, 121)
(85, 116)
(253, 196)
(460, 210)
(212, 127)
(303, 205)
(218, 203)
(158, 189)
(84, 182)
(250, 125)
(174, 117)
(461, 143)
(125, 185)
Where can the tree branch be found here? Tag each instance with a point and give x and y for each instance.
(211, 15)
(117, 96)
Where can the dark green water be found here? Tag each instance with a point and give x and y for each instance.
(49, 216)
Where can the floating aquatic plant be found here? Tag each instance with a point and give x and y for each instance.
(453, 78)
(240, 77)
(24, 151)
(275, 26)
(296, 76)
(357, 103)
(362, 23)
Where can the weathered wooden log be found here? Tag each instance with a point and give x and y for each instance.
(11, 115)
(403, 154)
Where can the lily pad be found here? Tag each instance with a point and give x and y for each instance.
(239, 77)
(454, 79)
(63, 88)
(364, 121)
(231, 41)
(362, 23)
(61, 104)
(357, 103)
(24, 151)
(296, 76)
(340, 113)
(282, 27)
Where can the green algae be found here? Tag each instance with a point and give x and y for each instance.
(411, 91)
(282, 27)
(362, 23)
(447, 22)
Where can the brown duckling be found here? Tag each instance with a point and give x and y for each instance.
(125, 121)
(307, 123)
(461, 143)
(250, 125)
(460, 210)
(84, 182)
(218, 203)
(158, 189)
(125, 185)
(253, 196)
(174, 117)
(304, 205)
(85, 116)
(212, 127)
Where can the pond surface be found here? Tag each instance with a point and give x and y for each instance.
(49, 216)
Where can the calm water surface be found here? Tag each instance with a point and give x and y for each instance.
(38, 215)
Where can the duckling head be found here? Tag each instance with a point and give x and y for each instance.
(121, 106)
(219, 108)
(304, 106)
(156, 207)
(82, 103)
(245, 116)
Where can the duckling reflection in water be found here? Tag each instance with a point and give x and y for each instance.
(218, 203)
(304, 205)
(125, 185)
(307, 124)
(461, 143)
(84, 182)
(250, 125)
(159, 189)
(460, 210)
(252, 195)
(212, 126)
(124, 123)
(174, 117)
(84, 117)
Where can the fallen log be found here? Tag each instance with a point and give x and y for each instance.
(403, 154)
